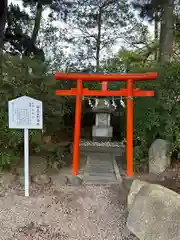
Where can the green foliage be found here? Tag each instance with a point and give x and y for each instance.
(154, 117)
(10, 140)
(100, 25)
(17, 37)
(27, 76)
(35, 140)
(158, 116)
(57, 154)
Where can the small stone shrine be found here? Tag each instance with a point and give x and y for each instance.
(102, 130)
(101, 166)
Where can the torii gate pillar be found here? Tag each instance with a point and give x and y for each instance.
(128, 92)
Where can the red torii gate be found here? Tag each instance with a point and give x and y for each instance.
(128, 92)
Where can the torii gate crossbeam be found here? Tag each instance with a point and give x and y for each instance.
(128, 92)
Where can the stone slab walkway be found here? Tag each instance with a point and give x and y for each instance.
(101, 168)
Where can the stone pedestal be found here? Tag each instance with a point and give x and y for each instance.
(102, 133)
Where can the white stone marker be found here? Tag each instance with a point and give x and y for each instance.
(25, 113)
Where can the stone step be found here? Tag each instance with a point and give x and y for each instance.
(99, 180)
(100, 169)
(100, 176)
(102, 182)
(99, 162)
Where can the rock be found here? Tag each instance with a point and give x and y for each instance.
(159, 158)
(41, 179)
(135, 188)
(8, 179)
(154, 213)
(59, 180)
(74, 180)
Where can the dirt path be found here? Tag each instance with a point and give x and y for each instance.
(82, 213)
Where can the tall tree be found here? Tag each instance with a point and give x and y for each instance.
(17, 33)
(61, 7)
(37, 21)
(37, 6)
(3, 16)
(163, 11)
(167, 31)
(98, 25)
(22, 29)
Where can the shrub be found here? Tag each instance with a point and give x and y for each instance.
(26, 76)
(158, 116)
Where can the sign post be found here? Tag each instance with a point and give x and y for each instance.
(26, 161)
(25, 113)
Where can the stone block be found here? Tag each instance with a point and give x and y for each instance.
(103, 119)
(159, 157)
(154, 212)
(104, 132)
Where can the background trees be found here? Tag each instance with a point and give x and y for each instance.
(162, 12)
(45, 36)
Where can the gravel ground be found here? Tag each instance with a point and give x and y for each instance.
(79, 213)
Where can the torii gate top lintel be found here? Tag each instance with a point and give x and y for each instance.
(106, 76)
(128, 92)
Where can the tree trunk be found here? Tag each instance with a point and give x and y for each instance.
(156, 35)
(98, 46)
(3, 16)
(167, 32)
(39, 10)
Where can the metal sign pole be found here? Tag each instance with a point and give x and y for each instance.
(26, 161)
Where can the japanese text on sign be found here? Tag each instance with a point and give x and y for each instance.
(25, 112)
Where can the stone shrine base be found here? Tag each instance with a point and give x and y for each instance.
(115, 148)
